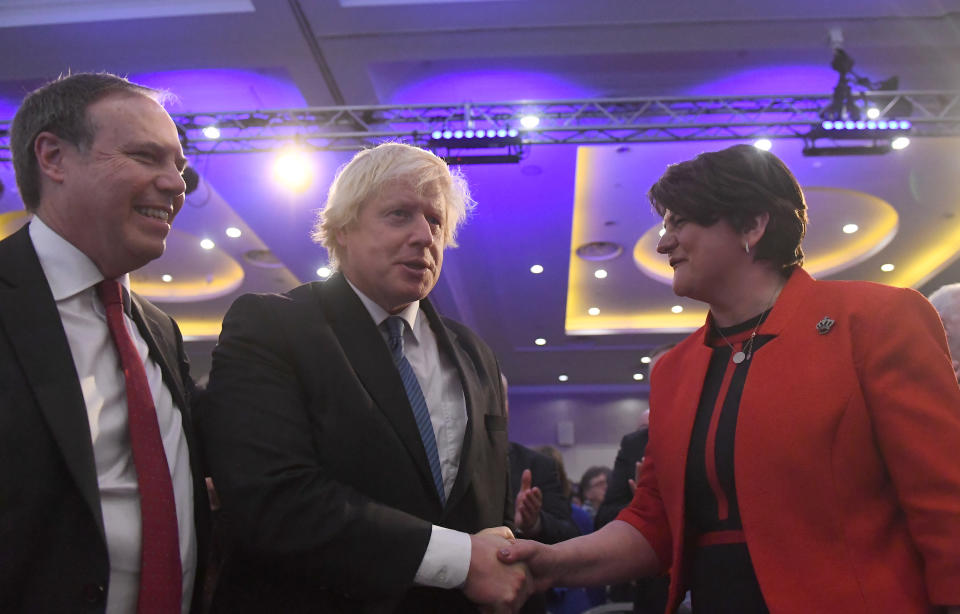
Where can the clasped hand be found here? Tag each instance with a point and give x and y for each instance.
(497, 587)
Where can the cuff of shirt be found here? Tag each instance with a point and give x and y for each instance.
(447, 560)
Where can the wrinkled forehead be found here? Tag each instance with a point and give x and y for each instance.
(132, 116)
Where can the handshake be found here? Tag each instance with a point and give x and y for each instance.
(493, 583)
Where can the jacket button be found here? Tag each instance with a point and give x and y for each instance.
(94, 593)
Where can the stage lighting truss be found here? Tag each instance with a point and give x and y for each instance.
(591, 121)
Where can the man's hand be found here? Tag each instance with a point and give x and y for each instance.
(527, 509)
(636, 477)
(538, 558)
(497, 586)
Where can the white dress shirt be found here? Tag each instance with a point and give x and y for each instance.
(72, 277)
(447, 560)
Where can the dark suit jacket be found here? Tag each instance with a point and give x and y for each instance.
(53, 553)
(556, 524)
(619, 494)
(846, 453)
(327, 496)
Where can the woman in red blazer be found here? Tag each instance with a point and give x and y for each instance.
(804, 453)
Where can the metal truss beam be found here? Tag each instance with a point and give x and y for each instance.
(563, 122)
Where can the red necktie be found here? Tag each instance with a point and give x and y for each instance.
(160, 574)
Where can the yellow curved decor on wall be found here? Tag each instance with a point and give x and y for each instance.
(198, 274)
(12, 222)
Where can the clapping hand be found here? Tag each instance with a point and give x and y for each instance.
(527, 508)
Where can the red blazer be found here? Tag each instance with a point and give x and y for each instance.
(847, 453)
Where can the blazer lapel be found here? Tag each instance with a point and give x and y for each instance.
(28, 314)
(370, 358)
(449, 344)
(161, 351)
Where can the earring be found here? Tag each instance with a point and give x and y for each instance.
(746, 246)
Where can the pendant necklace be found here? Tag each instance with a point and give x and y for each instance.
(747, 351)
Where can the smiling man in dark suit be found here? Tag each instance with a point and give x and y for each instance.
(358, 440)
(102, 503)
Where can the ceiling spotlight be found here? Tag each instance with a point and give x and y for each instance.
(563, 377)
(233, 232)
(293, 169)
(886, 268)
(536, 269)
(600, 273)
(873, 113)
(645, 360)
(166, 278)
(638, 377)
(211, 132)
(763, 144)
(850, 228)
(900, 142)
(594, 311)
(324, 272)
(677, 308)
(529, 122)
(540, 341)
(207, 244)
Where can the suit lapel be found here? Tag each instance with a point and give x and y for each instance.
(29, 316)
(161, 351)
(449, 344)
(370, 358)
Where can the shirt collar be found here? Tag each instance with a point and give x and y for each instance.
(68, 270)
(379, 314)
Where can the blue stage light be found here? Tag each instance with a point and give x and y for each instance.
(502, 133)
(827, 125)
(436, 134)
(513, 132)
(468, 134)
(882, 124)
(871, 125)
(905, 124)
(861, 125)
(893, 125)
(849, 125)
(448, 134)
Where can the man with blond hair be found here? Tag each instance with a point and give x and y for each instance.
(357, 439)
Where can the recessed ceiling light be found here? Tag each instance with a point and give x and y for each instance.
(901, 142)
(324, 272)
(207, 244)
(540, 341)
(166, 278)
(211, 132)
(645, 360)
(886, 268)
(850, 228)
(676, 308)
(536, 269)
(594, 311)
(600, 273)
(638, 377)
(763, 144)
(233, 232)
(873, 113)
(562, 377)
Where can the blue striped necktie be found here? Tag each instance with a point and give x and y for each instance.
(395, 325)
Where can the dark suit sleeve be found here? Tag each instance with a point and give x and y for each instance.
(556, 522)
(619, 494)
(281, 507)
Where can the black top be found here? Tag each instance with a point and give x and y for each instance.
(721, 575)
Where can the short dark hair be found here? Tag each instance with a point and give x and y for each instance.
(588, 476)
(736, 185)
(60, 107)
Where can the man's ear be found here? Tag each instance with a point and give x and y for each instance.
(49, 150)
(755, 232)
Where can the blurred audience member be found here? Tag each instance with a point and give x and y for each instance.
(593, 488)
(946, 300)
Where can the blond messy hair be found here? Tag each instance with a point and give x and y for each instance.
(369, 172)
